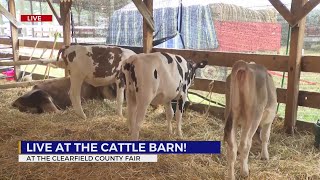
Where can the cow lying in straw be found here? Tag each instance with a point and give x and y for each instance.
(97, 65)
(157, 78)
(53, 96)
(251, 103)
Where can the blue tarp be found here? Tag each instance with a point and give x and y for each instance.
(197, 29)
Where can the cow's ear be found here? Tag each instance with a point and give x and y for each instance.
(201, 64)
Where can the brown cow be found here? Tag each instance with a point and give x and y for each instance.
(53, 96)
(251, 103)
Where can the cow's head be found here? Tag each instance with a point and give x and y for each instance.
(109, 92)
(192, 67)
(23, 106)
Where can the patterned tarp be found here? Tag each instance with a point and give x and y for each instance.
(197, 29)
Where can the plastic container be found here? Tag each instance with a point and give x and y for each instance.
(9, 74)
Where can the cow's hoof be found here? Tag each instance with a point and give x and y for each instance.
(230, 178)
(245, 173)
(83, 116)
(264, 158)
(170, 130)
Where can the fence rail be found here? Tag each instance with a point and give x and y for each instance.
(271, 62)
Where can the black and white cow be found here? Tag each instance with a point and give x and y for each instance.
(98, 65)
(157, 78)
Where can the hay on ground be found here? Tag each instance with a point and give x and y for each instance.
(290, 157)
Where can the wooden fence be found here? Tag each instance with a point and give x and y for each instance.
(224, 59)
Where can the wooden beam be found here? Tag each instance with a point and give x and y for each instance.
(220, 88)
(14, 39)
(302, 12)
(10, 17)
(54, 12)
(209, 86)
(309, 99)
(310, 64)
(26, 84)
(145, 12)
(283, 10)
(32, 43)
(65, 16)
(147, 30)
(66, 12)
(271, 62)
(27, 62)
(295, 55)
(305, 98)
(5, 40)
(41, 44)
(218, 112)
(6, 55)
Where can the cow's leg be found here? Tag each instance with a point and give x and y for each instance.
(75, 94)
(169, 114)
(144, 98)
(232, 151)
(49, 107)
(265, 133)
(120, 97)
(132, 109)
(179, 111)
(141, 112)
(247, 133)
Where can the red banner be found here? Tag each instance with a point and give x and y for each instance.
(36, 18)
(248, 36)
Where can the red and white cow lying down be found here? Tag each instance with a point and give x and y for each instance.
(97, 65)
(251, 103)
(157, 78)
(53, 96)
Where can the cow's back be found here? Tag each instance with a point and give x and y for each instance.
(157, 72)
(264, 83)
(59, 91)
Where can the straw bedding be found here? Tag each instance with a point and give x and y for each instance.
(290, 157)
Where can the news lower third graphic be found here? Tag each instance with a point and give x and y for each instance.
(110, 151)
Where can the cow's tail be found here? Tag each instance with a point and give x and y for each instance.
(129, 72)
(238, 86)
(62, 54)
(59, 53)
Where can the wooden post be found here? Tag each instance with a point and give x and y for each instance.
(31, 9)
(40, 4)
(14, 39)
(65, 18)
(147, 31)
(294, 68)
